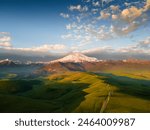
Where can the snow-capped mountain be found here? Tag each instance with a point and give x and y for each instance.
(9, 63)
(6, 62)
(76, 58)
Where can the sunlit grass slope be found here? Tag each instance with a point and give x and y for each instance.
(96, 90)
(128, 94)
(76, 92)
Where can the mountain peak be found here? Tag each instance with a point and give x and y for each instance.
(6, 62)
(76, 57)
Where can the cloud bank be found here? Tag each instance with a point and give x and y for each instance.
(101, 20)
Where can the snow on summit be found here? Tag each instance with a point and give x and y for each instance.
(76, 57)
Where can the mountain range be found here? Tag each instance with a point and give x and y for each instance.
(80, 62)
(7, 62)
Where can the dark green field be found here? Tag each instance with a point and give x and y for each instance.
(75, 92)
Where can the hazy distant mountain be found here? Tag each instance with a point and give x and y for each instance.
(7, 62)
(11, 63)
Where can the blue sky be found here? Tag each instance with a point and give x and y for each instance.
(88, 26)
(32, 22)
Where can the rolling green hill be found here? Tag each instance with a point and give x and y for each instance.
(76, 92)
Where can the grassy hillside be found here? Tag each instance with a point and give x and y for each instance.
(128, 94)
(76, 92)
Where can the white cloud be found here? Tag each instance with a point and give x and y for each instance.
(114, 7)
(147, 6)
(49, 47)
(128, 20)
(64, 15)
(78, 19)
(91, 24)
(104, 15)
(99, 49)
(4, 33)
(107, 52)
(145, 44)
(67, 36)
(87, 1)
(114, 17)
(106, 1)
(131, 14)
(138, 50)
(5, 44)
(97, 3)
(78, 8)
(82, 41)
(101, 33)
(125, 29)
(85, 40)
(71, 26)
(133, 50)
(142, 46)
(127, 4)
(5, 39)
(43, 48)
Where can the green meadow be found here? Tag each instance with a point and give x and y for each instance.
(76, 92)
